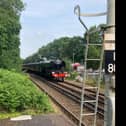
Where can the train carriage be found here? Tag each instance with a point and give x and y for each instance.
(53, 69)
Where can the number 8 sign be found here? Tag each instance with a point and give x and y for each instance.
(109, 61)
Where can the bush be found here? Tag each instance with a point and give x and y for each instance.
(18, 93)
(72, 76)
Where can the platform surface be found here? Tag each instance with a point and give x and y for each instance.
(40, 120)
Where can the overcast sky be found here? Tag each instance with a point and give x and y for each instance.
(45, 20)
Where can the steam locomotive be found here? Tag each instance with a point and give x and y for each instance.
(52, 69)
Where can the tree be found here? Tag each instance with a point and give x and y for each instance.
(94, 52)
(10, 11)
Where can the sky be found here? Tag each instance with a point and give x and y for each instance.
(43, 21)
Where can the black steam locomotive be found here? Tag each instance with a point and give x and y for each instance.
(53, 69)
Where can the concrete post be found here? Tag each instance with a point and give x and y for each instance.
(110, 78)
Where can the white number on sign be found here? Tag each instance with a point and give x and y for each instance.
(111, 68)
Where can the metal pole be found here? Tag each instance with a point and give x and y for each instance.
(110, 78)
(111, 15)
(73, 57)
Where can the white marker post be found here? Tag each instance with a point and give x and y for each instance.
(20, 118)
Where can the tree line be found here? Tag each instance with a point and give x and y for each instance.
(10, 11)
(69, 49)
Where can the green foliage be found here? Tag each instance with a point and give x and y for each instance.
(68, 65)
(94, 52)
(73, 75)
(9, 33)
(94, 80)
(18, 93)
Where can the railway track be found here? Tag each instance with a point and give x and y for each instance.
(80, 87)
(67, 99)
(76, 93)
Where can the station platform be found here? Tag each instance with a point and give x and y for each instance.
(40, 120)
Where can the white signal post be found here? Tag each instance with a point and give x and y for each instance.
(109, 48)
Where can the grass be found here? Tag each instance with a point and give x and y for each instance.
(93, 82)
(32, 112)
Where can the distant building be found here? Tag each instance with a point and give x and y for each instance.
(75, 66)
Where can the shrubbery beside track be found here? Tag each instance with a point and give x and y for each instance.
(18, 93)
